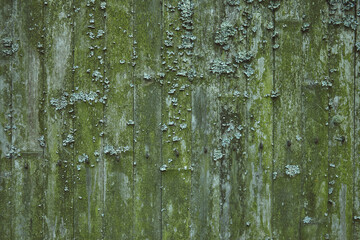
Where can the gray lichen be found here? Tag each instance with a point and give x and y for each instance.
(292, 170)
(219, 67)
(307, 220)
(112, 151)
(248, 70)
(66, 99)
(305, 27)
(69, 139)
(243, 57)
(186, 11)
(9, 47)
(163, 168)
(83, 158)
(42, 141)
(13, 152)
(223, 35)
(233, 2)
(217, 154)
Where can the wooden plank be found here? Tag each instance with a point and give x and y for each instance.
(59, 135)
(356, 167)
(259, 108)
(341, 121)
(8, 50)
(287, 157)
(147, 138)
(205, 124)
(118, 150)
(89, 82)
(230, 38)
(27, 92)
(314, 142)
(176, 117)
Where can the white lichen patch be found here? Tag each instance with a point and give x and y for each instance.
(68, 140)
(217, 154)
(83, 158)
(223, 35)
(218, 66)
(71, 99)
(292, 170)
(112, 151)
(307, 220)
(163, 168)
(13, 152)
(42, 141)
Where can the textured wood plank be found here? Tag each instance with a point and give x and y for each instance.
(341, 121)
(356, 168)
(260, 124)
(314, 142)
(230, 155)
(89, 82)
(147, 138)
(287, 165)
(176, 115)
(27, 87)
(8, 45)
(59, 135)
(230, 38)
(119, 210)
(205, 124)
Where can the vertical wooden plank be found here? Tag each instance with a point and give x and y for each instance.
(8, 52)
(230, 39)
(27, 86)
(287, 165)
(59, 134)
(88, 99)
(356, 181)
(314, 142)
(176, 118)
(341, 121)
(205, 124)
(259, 109)
(119, 115)
(147, 138)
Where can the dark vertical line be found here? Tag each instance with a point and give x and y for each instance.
(190, 127)
(14, 8)
(273, 128)
(73, 122)
(303, 124)
(354, 119)
(246, 120)
(329, 115)
(43, 115)
(161, 108)
(134, 92)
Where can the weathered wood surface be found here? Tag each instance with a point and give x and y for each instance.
(179, 119)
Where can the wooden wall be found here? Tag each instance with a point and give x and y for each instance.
(179, 119)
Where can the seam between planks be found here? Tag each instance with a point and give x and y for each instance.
(133, 108)
(73, 122)
(354, 123)
(273, 127)
(161, 109)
